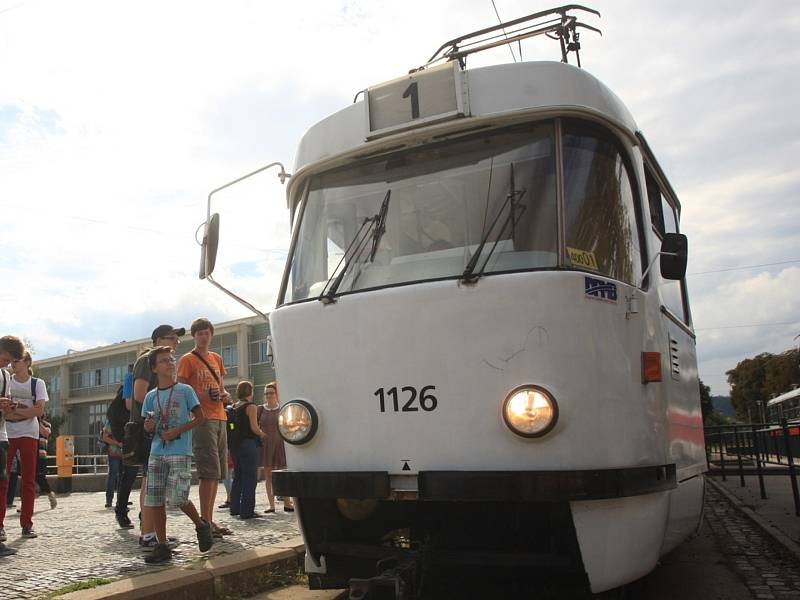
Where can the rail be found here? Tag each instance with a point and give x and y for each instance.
(762, 449)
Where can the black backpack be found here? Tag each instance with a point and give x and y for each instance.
(233, 432)
(117, 415)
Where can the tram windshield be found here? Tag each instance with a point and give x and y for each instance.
(425, 213)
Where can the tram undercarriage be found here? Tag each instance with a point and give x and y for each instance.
(405, 546)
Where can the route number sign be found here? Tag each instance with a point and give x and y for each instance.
(417, 99)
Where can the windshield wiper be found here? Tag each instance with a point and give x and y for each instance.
(372, 226)
(380, 226)
(512, 199)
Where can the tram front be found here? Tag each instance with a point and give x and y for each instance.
(459, 339)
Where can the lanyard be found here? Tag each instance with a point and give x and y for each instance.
(163, 416)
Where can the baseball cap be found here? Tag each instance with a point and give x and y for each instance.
(167, 330)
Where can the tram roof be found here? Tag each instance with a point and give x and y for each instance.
(496, 92)
(785, 396)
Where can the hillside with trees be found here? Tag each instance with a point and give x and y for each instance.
(756, 380)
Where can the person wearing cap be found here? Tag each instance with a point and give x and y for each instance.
(144, 380)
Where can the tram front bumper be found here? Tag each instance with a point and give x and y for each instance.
(480, 486)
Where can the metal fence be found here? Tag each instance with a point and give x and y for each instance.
(762, 449)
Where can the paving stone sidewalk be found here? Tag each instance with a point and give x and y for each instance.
(766, 568)
(81, 540)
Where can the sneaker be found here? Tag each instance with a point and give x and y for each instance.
(147, 545)
(107, 505)
(124, 522)
(52, 497)
(2, 535)
(204, 538)
(6, 551)
(28, 532)
(160, 553)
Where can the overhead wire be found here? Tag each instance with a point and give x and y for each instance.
(783, 262)
(778, 324)
(510, 48)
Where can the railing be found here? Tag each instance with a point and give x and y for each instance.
(771, 447)
(96, 464)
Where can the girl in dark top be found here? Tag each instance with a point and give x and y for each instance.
(244, 450)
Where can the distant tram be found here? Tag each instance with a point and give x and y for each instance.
(785, 406)
(482, 338)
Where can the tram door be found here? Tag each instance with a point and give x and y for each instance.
(685, 422)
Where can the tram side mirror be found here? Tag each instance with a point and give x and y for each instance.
(208, 249)
(674, 255)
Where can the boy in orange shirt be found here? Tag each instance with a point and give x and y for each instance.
(205, 372)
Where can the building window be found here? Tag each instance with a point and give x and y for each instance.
(55, 383)
(230, 356)
(98, 377)
(97, 416)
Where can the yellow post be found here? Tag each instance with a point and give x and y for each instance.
(65, 459)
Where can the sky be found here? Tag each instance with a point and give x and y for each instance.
(117, 118)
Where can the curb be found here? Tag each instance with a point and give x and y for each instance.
(239, 573)
(778, 536)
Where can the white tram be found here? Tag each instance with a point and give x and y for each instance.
(478, 367)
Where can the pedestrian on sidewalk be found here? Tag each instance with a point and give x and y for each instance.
(114, 454)
(11, 348)
(245, 440)
(45, 429)
(204, 370)
(28, 396)
(171, 412)
(144, 380)
(13, 481)
(274, 452)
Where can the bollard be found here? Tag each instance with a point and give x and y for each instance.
(792, 473)
(737, 441)
(757, 452)
(722, 454)
(65, 459)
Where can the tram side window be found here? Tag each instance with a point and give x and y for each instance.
(600, 207)
(672, 292)
(655, 202)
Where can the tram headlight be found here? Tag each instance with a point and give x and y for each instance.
(297, 422)
(530, 411)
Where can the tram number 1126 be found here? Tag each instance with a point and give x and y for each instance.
(425, 398)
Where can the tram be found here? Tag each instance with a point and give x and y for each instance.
(483, 340)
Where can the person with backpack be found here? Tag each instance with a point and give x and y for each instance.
(11, 348)
(28, 396)
(245, 437)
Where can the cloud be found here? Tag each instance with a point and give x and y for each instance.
(117, 119)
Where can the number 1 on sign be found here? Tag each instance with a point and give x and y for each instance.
(413, 92)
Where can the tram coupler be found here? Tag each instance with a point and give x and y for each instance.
(396, 583)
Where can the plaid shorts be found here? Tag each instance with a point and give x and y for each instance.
(173, 473)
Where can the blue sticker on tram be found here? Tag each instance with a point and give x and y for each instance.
(598, 289)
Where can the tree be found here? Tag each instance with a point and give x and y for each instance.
(706, 406)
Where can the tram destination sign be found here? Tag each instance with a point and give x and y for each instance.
(417, 99)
